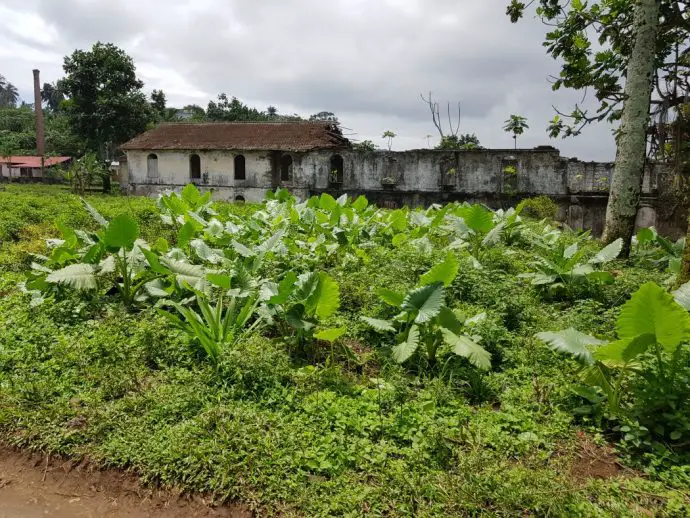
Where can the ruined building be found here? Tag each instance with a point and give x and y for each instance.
(241, 161)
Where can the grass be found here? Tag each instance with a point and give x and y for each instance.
(82, 378)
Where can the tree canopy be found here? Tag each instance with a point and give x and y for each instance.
(106, 105)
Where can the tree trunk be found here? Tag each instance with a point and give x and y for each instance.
(684, 275)
(632, 141)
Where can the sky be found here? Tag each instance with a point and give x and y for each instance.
(367, 61)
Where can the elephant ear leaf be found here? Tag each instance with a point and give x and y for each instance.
(121, 232)
(570, 341)
(426, 302)
(404, 351)
(467, 348)
(444, 272)
(608, 253)
(653, 311)
(382, 326)
(79, 276)
(328, 300)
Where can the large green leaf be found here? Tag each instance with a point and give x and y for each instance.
(425, 301)
(572, 342)
(330, 335)
(467, 348)
(327, 202)
(444, 272)
(390, 297)
(328, 300)
(478, 218)
(205, 252)
(95, 214)
(404, 351)
(608, 253)
(450, 320)
(652, 310)
(185, 273)
(121, 232)
(378, 324)
(79, 276)
(191, 195)
(185, 234)
(285, 289)
(682, 295)
(622, 352)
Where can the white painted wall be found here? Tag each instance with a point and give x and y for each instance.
(14, 172)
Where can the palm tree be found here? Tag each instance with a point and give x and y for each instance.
(9, 95)
(516, 124)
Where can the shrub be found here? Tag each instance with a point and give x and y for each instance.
(539, 207)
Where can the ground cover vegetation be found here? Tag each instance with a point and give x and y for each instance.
(326, 357)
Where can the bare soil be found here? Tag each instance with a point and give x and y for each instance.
(595, 461)
(33, 486)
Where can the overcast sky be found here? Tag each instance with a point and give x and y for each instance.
(365, 60)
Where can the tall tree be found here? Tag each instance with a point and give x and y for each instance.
(9, 95)
(53, 94)
(106, 105)
(390, 135)
(626, 185)
(158, 104)
(606, 47)
(233, 110)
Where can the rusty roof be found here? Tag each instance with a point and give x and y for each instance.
(268, 136)
(33, 162)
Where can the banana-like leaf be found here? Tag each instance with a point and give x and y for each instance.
(652, 310)
(444, 272)
(425, 301)
(467, 348)
(570, 341)
(404, 351)
(608, 253)
(378, 324)
(79, 276)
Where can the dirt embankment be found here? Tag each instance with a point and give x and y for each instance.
(33, 486)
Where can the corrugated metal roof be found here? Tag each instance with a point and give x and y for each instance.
(273, 136)
(33, 161)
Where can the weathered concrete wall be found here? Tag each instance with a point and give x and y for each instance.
(497, 177)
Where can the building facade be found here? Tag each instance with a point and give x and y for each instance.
(241, 161)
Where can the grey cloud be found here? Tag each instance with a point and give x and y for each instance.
(366, 60)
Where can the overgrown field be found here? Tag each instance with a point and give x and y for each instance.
(329, 358)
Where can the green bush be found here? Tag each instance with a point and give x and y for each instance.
(539, 207)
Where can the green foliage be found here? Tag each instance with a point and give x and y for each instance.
(467, 141)
(539, 207)
(561, 268)
(652, 329)
(246, 342)
(426, 325)
(106, 105)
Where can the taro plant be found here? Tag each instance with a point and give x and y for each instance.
(559, 267)
(652, 330)
(659, 251)
(425, 326)
(216, 326)
(299, 304)
(112, 253)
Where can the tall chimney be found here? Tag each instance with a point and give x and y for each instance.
(38, 108)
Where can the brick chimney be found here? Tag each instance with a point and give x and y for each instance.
(38, 109)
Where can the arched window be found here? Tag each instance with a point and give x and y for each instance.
(240, 168)
(239, 199)
(336, 172)
(286, 168)
(152, 166)
(195, 167)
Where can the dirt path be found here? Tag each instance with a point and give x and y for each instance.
(32, 488)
